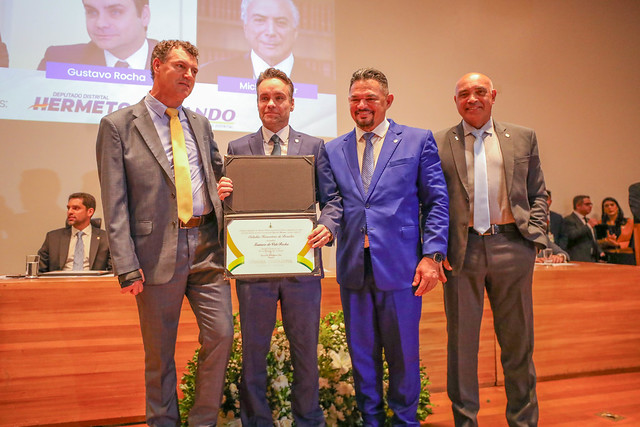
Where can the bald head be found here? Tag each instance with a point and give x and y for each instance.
(474, 98)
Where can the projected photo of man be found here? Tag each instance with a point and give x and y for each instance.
(271, 29)
(4, 54)
(118, 32)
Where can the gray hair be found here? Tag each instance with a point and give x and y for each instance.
(294, 11)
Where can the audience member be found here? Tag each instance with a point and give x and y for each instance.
(118, 32)
(634, 201)
(78, 246)
(615, 233)
(618, 228)
(554, 223)
(578, 230)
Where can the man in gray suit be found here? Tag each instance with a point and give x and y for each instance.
(498, 216)
(299, 297)
(165, 239)
(58, 252)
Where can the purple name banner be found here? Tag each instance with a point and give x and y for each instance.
(243, 85)
(97, 73)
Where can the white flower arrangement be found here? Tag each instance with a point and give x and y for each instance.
(337, 393)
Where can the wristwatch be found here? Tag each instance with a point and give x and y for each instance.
(437, 256)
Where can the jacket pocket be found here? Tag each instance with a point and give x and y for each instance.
(143, 228)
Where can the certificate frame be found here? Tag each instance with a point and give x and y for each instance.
(271, 184)
(270, 246)
(278, 190)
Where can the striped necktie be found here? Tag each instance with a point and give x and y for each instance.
(367, 161)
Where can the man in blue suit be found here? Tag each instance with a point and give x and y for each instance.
(299, 297)
(391, 243)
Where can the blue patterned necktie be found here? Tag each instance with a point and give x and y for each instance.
(78, 254)
(481, 216)
(277, 151)
(367, 161)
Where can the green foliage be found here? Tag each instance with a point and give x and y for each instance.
(337, 392)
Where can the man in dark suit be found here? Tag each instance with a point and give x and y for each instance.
(498, 215)
(157, 163)
(271, 29)
(58, 252)
(299, 297)
(391, 243)
(581, 242)
(634, 202)
(554, 224)
(118, 32)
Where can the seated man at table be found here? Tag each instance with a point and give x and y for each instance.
(78, 246)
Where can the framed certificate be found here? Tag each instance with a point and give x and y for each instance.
(269, 217)
(270, 246)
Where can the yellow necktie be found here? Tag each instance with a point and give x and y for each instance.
(181, 168)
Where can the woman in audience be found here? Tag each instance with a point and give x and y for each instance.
(619, 228)
(619, 232)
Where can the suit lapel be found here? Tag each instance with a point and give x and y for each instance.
(256, 144)
(507, 153)
(295, 141)
(93, 246)
(350, 151)
(145, 126)
(391, 141)
(200, 140)
(205, 157)
(63, 248)
(456, 142)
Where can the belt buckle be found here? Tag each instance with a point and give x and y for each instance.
(494, 229)
(197, 221)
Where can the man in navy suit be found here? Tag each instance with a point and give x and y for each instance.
(299, 297)
(118, 32)
(391, 243)
(554, 224)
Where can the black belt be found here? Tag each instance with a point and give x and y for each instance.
(496, 229)
(197, 221)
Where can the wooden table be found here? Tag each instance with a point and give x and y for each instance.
(71, 351)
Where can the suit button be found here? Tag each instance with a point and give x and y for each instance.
(362, 230)
(174, 224)
(366, 206)
(173, 195)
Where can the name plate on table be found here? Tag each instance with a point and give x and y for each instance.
(269, 216)
(275, 246)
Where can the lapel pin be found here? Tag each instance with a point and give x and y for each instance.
(296, 140)
(395, 141)
(456, 137)
(507, 135)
